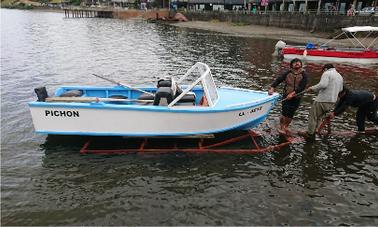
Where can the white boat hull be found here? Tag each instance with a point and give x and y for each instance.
(134, 122)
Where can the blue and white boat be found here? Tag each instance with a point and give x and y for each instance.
(170, 109)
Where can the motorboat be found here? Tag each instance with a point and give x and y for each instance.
(171, 108)
(363, 50)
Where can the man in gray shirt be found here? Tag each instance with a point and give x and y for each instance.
(331, 83)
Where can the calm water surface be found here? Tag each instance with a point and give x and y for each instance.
(44, 180)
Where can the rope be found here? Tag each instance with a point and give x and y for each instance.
(326, 121)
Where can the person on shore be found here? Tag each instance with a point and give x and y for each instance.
(295, 80)
(365, 101)
(351, 11)
(328, 88)
(333, 9)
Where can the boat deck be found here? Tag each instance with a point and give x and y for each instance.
(229, 97)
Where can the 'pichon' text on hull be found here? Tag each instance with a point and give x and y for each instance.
(62, 113)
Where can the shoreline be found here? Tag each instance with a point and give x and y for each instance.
(40, 9)
(292, 36)
(289, 36)
(54, 10)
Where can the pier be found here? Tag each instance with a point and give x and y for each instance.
(87, 13)
(113, 13)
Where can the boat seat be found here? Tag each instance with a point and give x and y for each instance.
(190, 97)
(72, 93)
(163, 96)
(164, 83)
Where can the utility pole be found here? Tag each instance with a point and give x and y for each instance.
(319, 6)
(305, 10)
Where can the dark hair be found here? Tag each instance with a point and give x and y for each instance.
(295, 60)
(328, 66)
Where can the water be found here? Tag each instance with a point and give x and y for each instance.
(44, 180)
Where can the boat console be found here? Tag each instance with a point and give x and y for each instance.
(167, 91)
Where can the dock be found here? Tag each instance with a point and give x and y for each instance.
(88, 13)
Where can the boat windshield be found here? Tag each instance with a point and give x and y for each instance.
(204, 78)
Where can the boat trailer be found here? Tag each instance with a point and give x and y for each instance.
(226, 143)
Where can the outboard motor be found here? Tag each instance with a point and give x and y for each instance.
(41, 93)
(278, 47)
(164, 94)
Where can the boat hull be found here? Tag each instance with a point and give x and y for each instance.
(112, 120)
(358, 57)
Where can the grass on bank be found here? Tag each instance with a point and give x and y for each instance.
(19, 4)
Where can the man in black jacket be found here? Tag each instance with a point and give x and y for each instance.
(295, 80)
(366, 102)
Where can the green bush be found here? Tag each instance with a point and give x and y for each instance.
(75, 2)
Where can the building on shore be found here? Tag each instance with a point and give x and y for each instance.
(253, 6)
(258, 6)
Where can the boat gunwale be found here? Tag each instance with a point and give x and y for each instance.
(174, 109)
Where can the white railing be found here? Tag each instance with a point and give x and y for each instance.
(207, 81)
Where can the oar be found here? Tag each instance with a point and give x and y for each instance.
(92, 99)
(298, 94)
(121, 84)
